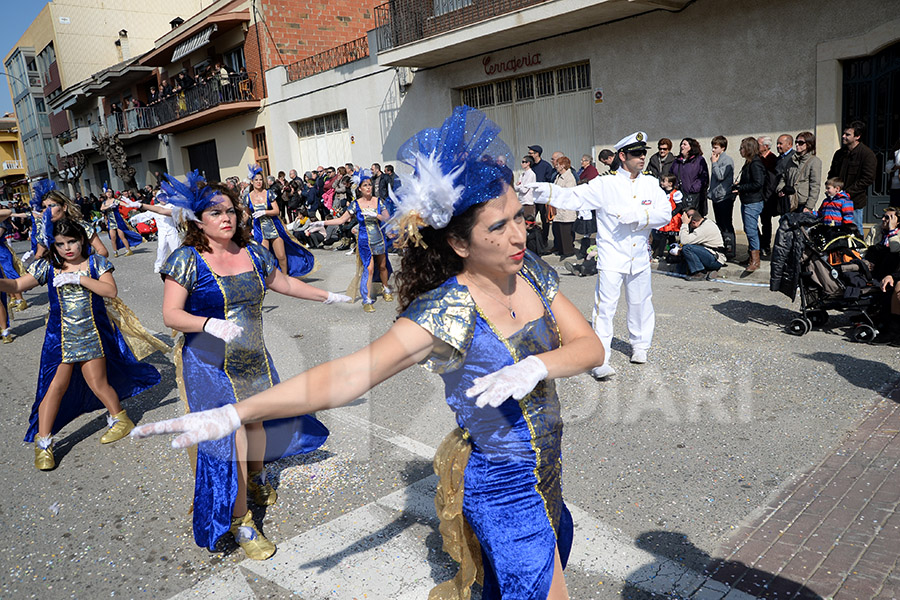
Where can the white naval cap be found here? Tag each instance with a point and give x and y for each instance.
(635, 141)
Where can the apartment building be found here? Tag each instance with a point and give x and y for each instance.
(577, 76)
(12, 159)
(67, 42)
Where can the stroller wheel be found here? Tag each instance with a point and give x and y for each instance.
(799, 326)
(863, 333)
(817, 317)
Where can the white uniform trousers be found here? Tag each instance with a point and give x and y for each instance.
(167, 241)
(641, 318)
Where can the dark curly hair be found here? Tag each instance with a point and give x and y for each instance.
(424, 269)
(195, 237)
(72, 229)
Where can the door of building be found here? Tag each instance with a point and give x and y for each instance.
(203, 157)
(871, 95)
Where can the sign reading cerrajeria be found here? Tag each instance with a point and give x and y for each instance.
(512, 65)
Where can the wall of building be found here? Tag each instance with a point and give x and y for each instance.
(233, 148)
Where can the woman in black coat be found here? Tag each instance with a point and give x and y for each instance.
(750, 190)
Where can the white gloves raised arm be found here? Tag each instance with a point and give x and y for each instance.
(542, 191)
(334, 298)
(512, 381)
(222, 329)
(194, 427)
(66, 279)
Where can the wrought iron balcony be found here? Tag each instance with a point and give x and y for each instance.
(330, 59)
(402, 22)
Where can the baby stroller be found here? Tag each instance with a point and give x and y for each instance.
(826, 265)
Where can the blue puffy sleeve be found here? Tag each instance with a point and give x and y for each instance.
(263, 258)
(102, 264)
(544, 278)
(40, 270)
(448, 314)
(182, 267)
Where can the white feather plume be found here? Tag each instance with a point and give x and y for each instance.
(430, 192)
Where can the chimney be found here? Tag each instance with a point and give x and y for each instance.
(124, 45)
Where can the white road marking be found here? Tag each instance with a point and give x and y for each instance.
(378, 551)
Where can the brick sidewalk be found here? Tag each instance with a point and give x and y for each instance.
(836, 532)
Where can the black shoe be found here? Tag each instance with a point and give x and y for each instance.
(698, 276)
(765, 253)
(573, 269)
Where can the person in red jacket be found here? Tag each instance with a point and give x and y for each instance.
(665, 234)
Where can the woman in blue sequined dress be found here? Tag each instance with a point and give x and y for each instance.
(214, 288)
(485, 314)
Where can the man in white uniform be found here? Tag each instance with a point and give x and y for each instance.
(168, 238)
(629, 203)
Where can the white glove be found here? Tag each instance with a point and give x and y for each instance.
(259, 213)
(66, 279)
(333, 298)
(222, 329)
(27, 255)
(542, 192)
(585, 215)
(316, 226)
(512, 381)
(131, 203)
(194, 427)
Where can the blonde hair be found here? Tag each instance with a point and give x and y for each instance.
(69, 207)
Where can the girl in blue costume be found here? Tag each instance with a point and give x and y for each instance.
(268, 230)
(372, 244)
(121, 235)
(214, 288)
(85, 361)
(487, 315)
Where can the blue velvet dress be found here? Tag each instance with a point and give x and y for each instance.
(79, 329)
(216, 373)
(114, 220)
(512, 497)
(300, 261)
(370, 240)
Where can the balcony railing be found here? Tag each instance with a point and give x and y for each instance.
(402, 22)
(238, 88)
(325, 61)
(10, 165)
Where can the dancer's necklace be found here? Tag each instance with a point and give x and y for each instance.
(508, 304)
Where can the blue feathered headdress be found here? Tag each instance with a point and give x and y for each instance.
(191, 197)
(462, 164)
(41, 189)
(47, 222)
(252, 170)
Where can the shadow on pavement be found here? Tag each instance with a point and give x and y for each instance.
(747, 311)
(681, 567)
(861, 372)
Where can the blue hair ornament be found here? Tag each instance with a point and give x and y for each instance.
(49, 238)
(252, 170)
(41, 189)
(462, 164)
(192, 196)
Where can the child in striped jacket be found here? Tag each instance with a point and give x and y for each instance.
(837, 208)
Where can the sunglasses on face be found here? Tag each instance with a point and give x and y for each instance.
(800, 142)
(637, 153)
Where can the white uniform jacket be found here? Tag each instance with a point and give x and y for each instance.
(627, 209)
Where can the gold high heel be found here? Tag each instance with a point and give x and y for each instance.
(8, 338)
(263, 494)
(388, 296)
(248, 537)
(43, 457)
(369, 306)
(128, 252)
(119, 426)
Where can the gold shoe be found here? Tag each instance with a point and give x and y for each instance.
(8, 338)
(128, 252)
(23, 304)
(263, 494)
(119, 426)
(116, 254)
(248, 537)
(388, 297)
(43, 457)
(369, 306)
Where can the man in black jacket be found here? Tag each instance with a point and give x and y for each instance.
(543, 172)
(855, 163)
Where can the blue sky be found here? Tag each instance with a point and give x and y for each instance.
(17, 16)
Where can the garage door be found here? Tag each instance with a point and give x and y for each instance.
(551, 108)
(324, 141)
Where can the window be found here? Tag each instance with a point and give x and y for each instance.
(574, 78)
(330, 123)
(234, 59)
(442, 7)
(46, 58)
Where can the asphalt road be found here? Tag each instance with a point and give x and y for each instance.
(666, 458)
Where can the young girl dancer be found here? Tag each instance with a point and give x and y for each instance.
(488, 316)
(120, 234)
(85, 362)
